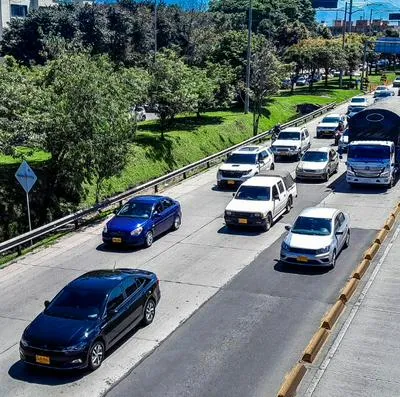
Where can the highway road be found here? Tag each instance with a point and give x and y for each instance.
(231, 321)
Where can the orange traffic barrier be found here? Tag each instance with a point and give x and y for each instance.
(348, 290)
(315, 345)
(330, 318)
(361, 269)
(292, 381)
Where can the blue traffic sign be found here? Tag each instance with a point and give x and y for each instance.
(25, 176)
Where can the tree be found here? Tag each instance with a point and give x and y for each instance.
(266, 72)
(353, 53)
(205, 89)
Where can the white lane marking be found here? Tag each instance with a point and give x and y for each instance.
(318, 376)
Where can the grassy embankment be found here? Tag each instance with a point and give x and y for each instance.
(191, 139)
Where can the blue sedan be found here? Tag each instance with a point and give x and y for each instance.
(88, 316)
(141, 219)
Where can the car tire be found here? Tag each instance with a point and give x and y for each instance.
(220, 185)
(326, 177)
(298, 156)
(333, 262)
(149, 238)
(268, 223)
(289, 205)
(272, 167)
(347, 241)
(144, 118)
(96, 355)
(149, 312)
(177, 223)
(391, 183)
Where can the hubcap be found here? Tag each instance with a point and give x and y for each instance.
(97, 355)
(177, 221)
(149, 238)
(150, 310)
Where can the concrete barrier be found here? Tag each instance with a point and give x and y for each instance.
(348, 290)
(330, 318)
(361, 269)
(396, 211)
(315, 345)
(389, 222)
(381, 236)
(371, 251)
(292, 381)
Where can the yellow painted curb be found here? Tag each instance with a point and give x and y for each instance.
(389, 222)
(371, 251)
(330, 318)
(315, 345)
(348, 290)
(381, 236)
(292, 380)
(361, 269)
(396, 211)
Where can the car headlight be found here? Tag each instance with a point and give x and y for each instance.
(350, 172)
(24, 342)
(324, 250)
(228, 213)
(285, 246)
(105, 230)
(76, 348)
(257, 215)
(293, 148)
(385, 173)
(137, 231)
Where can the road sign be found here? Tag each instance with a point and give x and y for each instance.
(25, 176)
(388, 45)
(394, 17)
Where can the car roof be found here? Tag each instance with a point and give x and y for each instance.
(105, 279)
(319, 212)
(292, 129)
(147, 198)
(324, 149)
(359, 97)
(250, 149)
(382, 143)
(265, 181)
(333, 115)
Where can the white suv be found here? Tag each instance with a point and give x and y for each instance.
(244, 163)
(291, 142)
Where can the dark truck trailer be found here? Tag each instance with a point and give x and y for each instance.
(374, 144)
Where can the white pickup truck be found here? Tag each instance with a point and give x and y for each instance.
(261, 200)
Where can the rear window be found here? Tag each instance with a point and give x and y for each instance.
(358, 100)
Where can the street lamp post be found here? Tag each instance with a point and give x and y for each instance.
(247, 96)
(155, 29)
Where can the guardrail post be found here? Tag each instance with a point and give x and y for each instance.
(208, 164)
(76, 224)
(19, 250)
(156, 188)
(184, 175)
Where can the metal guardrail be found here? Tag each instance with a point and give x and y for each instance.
(26, 238)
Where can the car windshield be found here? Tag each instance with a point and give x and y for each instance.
(331, 120)
(312, 226)
(381, 88)
(77, 304)
(239, 158)
(136, 209)
(358, 100)
(384, 94)
(368, 152)
(259, 193)
(292, 135)
(315, 156)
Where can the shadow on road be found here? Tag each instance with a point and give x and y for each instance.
(300, 269)
(340, 185)
(238, 231)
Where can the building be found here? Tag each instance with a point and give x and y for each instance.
(360, 26)
(18, 9)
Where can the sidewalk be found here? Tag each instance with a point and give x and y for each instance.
(364, 360)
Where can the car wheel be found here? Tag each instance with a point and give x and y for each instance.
(177, 223)
(333, 262)
(391, 183)
(268, 223)
(326, 177)
(289, 205)
(144, 118)
(96, 355)
(149, 312)
(148, 240)
(298, 156)
(272, 166)
(347, 241)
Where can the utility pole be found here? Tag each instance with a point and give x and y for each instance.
(247, 98)
(370, 21)
(343, 42)
(363, 64)
(350, 14)
(155, 29)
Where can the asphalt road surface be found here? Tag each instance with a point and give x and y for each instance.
(231, 321)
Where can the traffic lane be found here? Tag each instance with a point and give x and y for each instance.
(244, 340)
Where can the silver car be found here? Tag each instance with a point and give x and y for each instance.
(318, 163)
(317, 237)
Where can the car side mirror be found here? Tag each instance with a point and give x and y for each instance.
(275, 197)
(288, 227)
(111, 312)
(116, 211)
(46, 304)
(233, 194)
(156, 214)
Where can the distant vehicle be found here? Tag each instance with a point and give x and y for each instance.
(88, 316)
(343, 142)
(243, 163)
(140, 113)
(291, 142)
(142, 219)
(354, 110)
(382, 63)
(396, 82)
(383, 95)
(286, 84)
(318, 163)
(329, 124)
(357, 102)
(317, 237)
(301, 81)
(336, 73)
(373, 151)
(379, 89)
(261, 200)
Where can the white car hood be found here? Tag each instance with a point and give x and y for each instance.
(249, 206)
(312, 165)
(327, 125)
(237, 167)
(359, 104)
(306, 241)
(286, 142)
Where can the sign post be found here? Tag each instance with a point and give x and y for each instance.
(27, 178)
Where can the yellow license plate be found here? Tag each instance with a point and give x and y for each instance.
(303, 259)
(231, 182)
(117, 240)
(242, 220)
(43, 360)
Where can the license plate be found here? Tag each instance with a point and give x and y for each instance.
(303, 259)
(242, 220)
(231, 182)
(43, 360)
(117, 240)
